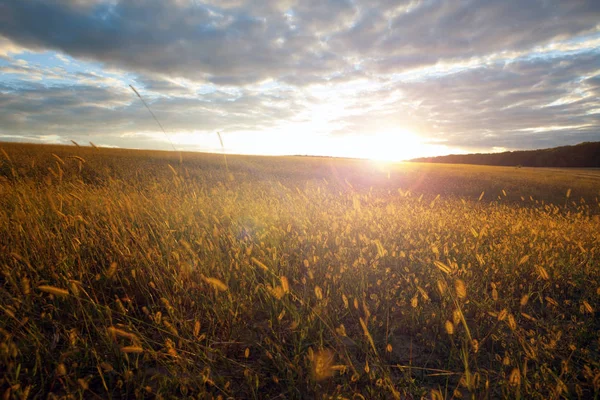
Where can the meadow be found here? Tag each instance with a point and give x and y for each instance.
(147, 274)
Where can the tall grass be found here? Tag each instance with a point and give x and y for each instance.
(124, 278)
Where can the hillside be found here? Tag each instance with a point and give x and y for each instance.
(583, 155)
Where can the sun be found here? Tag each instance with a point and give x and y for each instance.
(395, 146)
(392, 145)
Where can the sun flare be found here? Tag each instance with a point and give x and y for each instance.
(390, 145)
(383, 146)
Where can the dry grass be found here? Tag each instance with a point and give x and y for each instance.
(123, 277)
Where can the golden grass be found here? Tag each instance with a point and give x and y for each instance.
(125, 274)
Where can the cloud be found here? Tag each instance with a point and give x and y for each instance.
(7, 48)
(241, 42)
(436, 30)
(501, 104)
(161, 85)
(527, 103)
(81, 111)
(188, 39)
(473, 74)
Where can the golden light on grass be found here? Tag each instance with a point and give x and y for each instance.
(278, 292)
(367, 334)
(224, 286)
(284, 284)
(449, 326)
(542, 273)
(110, 272)
(61, 369)
(216, 283)
(512, 323)
(116, 332)
(322, 362)
(318, 293)
(259, 264)
(25, 286)
(461, 289)
(132, 349)
(456, 316)
(515, 377)
(345, 300)
(442, 267)
(414, 302)
(502, 314)
(56, 291)
(441, 286)
(436, 395)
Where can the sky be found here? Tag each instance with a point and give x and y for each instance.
(354, 78)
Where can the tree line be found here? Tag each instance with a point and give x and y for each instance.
(583, 155)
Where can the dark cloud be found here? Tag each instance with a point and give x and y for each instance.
(433, 31)
(193, 40)
(238, 42)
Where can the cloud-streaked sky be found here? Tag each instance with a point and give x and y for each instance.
(393, 79)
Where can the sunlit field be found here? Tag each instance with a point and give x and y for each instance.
(145, 274)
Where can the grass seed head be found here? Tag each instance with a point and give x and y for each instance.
(414, 302)
(456, 317)
(61, 370)
(285, 284)
(132, 349)
(318, 293)
(112, 269)
(461, 289)
(441, 286)
(25, 286)
(277, 292)
(515, 377)
(322, 363)
(196, 328)
(217, 284)
(512, 323)
(53, 290)
(259, 264)
(502, 314)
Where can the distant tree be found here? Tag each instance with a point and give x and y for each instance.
(583, 155)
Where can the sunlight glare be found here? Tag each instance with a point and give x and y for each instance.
(382, 146)
(394, 145)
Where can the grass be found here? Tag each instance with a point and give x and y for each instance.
(127, 274)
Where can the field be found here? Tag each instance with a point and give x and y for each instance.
(154, 275)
